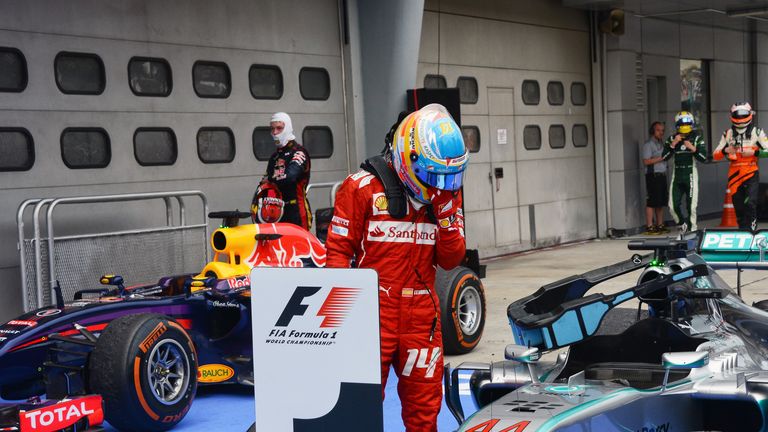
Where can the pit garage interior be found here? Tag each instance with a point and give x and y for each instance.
(556, 99)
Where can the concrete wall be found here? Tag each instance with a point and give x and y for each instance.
(653, 47)
(546, 196)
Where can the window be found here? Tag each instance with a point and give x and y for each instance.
(467, 90)
(263, 143)
(314, 83)
(154, 146)
(266, 81)
(578, 93)
(318, 140)
(211, 79)
(579, 135)
(471, 138)
(13, 70)
(85, 148)
(532, 137)
(555, 93)
(694, 95)
(531, 92)
(556, 136)
(79, 73)
(149, 76)
(435, 82)
(17, 149)
(215, 145)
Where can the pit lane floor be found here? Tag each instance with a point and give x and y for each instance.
(508, 278)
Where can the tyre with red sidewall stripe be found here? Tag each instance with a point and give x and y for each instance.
(462, 309)
(145, 368)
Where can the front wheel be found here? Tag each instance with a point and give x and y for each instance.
(145, 367)
(462, 309)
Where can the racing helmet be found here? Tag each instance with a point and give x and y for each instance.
(741, 115)
(428, 151)
(267, 206)
(684, 122)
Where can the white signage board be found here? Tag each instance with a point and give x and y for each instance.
(316, 349)
(501, 136)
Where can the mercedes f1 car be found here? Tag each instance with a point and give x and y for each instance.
(697, 361)
(145, 349)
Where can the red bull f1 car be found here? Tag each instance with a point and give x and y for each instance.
(695, 359)
(145, 349)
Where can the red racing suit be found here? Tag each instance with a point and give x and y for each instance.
(404, 252)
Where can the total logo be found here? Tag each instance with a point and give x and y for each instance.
(61, 415)
(402, 232)
(214, 373)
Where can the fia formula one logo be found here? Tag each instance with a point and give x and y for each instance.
(333, 310)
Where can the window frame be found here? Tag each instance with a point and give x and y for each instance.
(573, 135)
(253, 144)
(86, 129)
(102, 73)
(479, 137)
(309, 149)
(562, 86)
(549, 135)
(216, 128)
(439, 76)
(156, 129)
(477, 89)
(153, 59)
(25, 80)
(212, 63)
(315, 68)
(282, 81)
(30, 148)
(540, 137)
(538, 92)
(586, 96)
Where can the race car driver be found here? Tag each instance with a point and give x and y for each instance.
(288, 168)
(685, 145)
(401, 215)
(743, 143)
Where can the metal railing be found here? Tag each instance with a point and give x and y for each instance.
(333, 185)
(77, 261)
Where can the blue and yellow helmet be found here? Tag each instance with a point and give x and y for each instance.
(428, 151)
(684, 122)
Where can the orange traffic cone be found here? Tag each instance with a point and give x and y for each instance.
(729, 213)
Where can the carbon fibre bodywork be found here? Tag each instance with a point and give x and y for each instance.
(51, 339)
(40, 347)
(606, 382)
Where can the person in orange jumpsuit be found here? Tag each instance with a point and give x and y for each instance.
(743, 143)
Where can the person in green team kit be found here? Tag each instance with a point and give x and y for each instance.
(685, 145)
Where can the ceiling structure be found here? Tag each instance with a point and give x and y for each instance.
(734, 14)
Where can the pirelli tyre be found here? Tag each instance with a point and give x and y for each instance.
(145, 368)
(462, 309)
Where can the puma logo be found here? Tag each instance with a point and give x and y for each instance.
(386, 290)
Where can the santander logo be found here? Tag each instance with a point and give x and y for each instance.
(377, 232)
(402, 232)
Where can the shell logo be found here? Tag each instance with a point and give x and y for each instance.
(214, 373)
(381, 203)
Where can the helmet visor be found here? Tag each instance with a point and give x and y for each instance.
(741, 113)
(451, 182)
